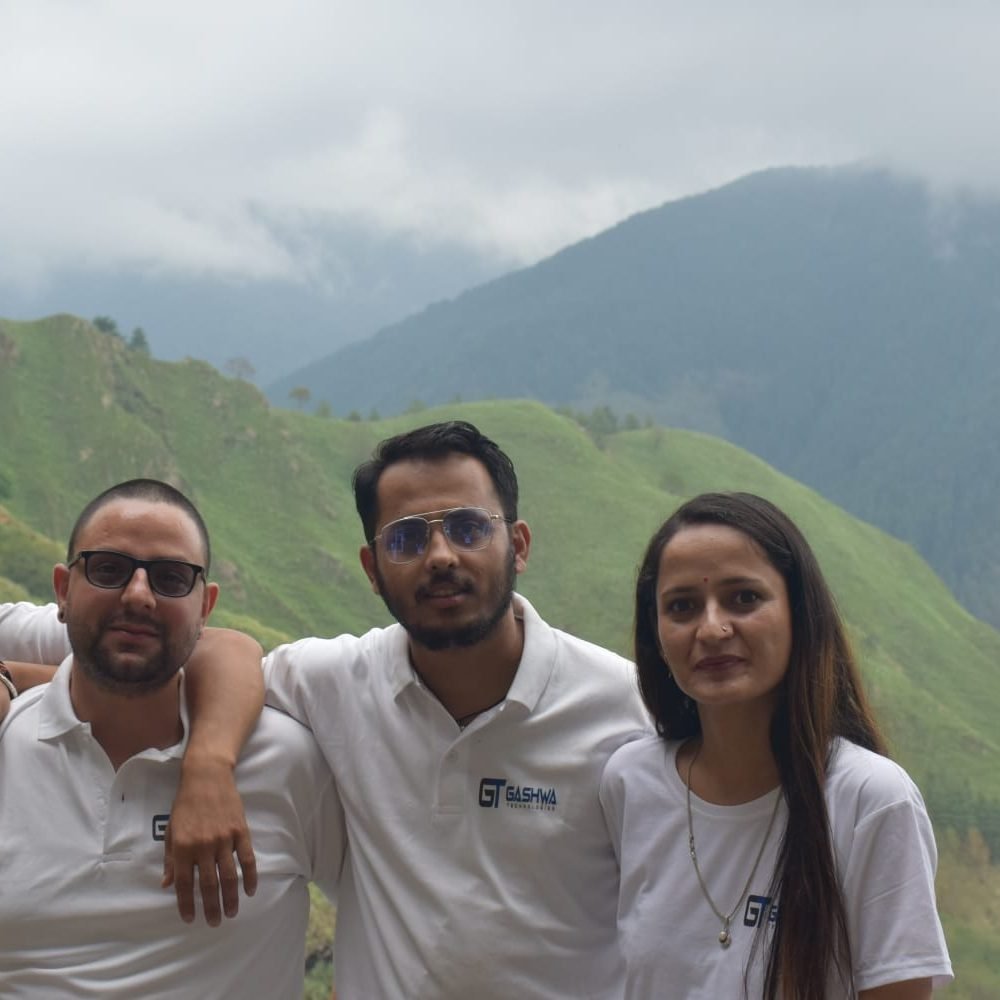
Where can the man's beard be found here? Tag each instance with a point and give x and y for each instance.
(131, 679)
(498, 600)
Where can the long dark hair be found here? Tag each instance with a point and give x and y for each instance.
(820, 697)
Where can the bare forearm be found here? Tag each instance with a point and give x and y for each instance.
(225, 693)
(29, 675)
(24, 676)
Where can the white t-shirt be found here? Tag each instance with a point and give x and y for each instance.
(885, 855)
(479, 863)
(82, 913)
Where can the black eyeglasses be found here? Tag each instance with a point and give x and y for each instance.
(113, 570)
(466, 528)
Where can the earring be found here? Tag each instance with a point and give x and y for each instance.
(60, 614)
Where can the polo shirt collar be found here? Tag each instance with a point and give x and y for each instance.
(401, 672)
(55, 711)
(537, 658)
(533, 672)
(56, 716)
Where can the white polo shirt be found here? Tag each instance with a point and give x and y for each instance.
(479, 861)
(82, 913)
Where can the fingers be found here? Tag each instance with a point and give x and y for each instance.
(179, 874)
(208, 883)
(183, 879)
(168, 861)
(248, 863)
(207, 828)
(218, 880)
(229, 885)
(214, 878)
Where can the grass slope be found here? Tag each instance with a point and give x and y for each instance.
(841, 323)
(81, 411)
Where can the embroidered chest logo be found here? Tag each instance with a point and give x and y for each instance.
(760, 909)
(494, 792)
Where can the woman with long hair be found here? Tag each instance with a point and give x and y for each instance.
(768, 847)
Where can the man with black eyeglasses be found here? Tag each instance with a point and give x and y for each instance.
(89, 766)
(467, 742)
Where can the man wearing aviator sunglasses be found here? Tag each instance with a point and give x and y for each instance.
(90, 763)
(466, 528)
(467, 742)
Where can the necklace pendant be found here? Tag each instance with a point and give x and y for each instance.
(724, 937)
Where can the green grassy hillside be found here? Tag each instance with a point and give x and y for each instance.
(840, 323)
(80, 411)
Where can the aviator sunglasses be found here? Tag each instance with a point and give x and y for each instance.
(465, 528)
(113, 570)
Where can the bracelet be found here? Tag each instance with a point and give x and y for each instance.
(7, 681)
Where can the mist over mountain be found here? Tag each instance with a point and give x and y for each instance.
(343, 283)
(844, 324)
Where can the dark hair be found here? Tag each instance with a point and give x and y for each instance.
(433, 441)
(151, 490)
(820, 698)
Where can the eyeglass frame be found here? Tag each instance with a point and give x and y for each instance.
(428, 521)
(143, 564)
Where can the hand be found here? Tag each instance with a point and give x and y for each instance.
(207, 826)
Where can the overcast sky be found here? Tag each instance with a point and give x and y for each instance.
(215, 137)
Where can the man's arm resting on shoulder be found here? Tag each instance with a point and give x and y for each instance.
(225, 694)
(25, 675)
(29, 675)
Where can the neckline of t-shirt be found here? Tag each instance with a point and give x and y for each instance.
(755, 808)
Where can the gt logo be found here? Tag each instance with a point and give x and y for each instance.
(758, 909)
(489, 792)
(160, 826)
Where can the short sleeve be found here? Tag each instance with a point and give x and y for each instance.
(328, 836)
(284, 683)
(611, 793)
(306, 680)
(32, 633)
(895, 931)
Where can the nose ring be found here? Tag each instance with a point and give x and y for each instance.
(725, 628)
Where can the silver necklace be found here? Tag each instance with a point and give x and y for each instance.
(725, 938)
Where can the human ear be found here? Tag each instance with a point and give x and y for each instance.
(367, 557)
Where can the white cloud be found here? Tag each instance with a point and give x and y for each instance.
(174, 136)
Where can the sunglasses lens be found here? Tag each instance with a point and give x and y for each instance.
(172, 579)
(468, 527)
(464, 527)
(405, 540)
(108, 569)
(113, 570)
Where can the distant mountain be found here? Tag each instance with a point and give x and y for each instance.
(844, 324)
(353, 283)
(80, 411)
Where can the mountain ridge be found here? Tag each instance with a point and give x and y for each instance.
(83, 411)
(842, 323)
